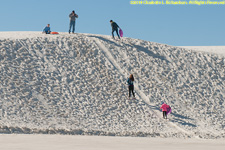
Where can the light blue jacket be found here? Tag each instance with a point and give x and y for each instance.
(46, 29)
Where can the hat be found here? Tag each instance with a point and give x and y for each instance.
(162, 102)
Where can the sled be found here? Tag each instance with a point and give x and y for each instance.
(169, 110)
(121, 33)
(54, 33)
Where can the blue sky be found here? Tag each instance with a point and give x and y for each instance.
(180, 25)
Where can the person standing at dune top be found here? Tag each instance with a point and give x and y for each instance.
(114, 28)
(73, 17)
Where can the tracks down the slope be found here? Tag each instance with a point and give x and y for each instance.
(124, 73)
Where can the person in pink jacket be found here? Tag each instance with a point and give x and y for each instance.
(164, 108)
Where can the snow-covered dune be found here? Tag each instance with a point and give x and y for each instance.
(209, 49)
(76, 84)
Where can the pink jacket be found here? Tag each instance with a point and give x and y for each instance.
(164, 107)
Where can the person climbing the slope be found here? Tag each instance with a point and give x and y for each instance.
(130, 82)
(164, 108)
(114, 28)
(47, 29)
(73, 17)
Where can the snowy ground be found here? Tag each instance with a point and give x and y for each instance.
(62, 142)
(209, 49)
(76, 84)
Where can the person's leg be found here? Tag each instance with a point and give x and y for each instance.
(70, 26)
(113, 33)
(117, 33)
(164, 114)
(73, 26)
(132, 90)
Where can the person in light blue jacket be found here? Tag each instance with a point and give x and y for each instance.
(47, 29)
(130, 82)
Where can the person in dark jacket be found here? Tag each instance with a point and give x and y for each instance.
(130, 82)
(114, 28)
(47, 29)
(73, 17)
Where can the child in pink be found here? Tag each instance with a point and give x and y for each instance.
(164, 108)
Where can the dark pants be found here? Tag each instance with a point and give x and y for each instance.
(47, 32)
(164, 115)
(116, 33)
(131, 89)
(72, 25)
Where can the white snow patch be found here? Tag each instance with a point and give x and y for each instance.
(59, 142)
(209, 49)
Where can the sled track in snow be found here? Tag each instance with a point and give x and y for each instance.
(124, 73)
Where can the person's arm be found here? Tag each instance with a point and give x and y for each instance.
(76, 15)
(117, 25)
(161, 107)
(128, 81)
(71, 15)
(44, 29)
